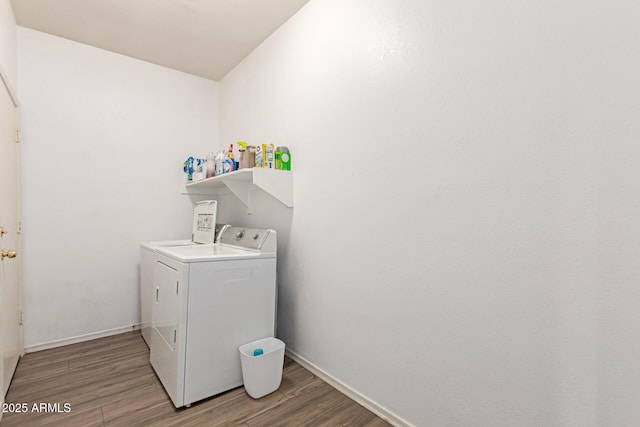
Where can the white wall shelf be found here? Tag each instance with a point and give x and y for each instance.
(277, 183)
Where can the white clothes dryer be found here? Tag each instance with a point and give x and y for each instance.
(202, 232)
(210, 300)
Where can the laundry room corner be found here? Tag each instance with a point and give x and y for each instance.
(452, 238)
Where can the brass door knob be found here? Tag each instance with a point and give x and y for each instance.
(3, 231)
(8, 254)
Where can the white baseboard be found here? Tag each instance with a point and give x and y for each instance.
(380, 411)
(80, 338)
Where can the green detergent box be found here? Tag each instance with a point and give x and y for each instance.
(283, 158)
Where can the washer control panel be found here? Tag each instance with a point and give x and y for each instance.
(251, 238)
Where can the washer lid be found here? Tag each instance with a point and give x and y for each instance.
(164, 243)
(209, 253)
(204, 222)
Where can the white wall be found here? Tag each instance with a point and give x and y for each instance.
(103, 141)
(464, 244)
(8, 60)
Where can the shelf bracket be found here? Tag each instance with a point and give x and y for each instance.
(273, 184)
(241, 189)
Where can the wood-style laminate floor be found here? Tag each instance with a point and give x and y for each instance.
(109, 382)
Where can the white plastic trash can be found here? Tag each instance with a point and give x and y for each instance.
(262, 373)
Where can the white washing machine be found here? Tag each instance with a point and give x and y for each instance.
(209, 300)
(203, 232)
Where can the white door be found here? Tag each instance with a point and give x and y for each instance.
(10, 328)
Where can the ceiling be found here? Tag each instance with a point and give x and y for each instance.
(202, 37)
